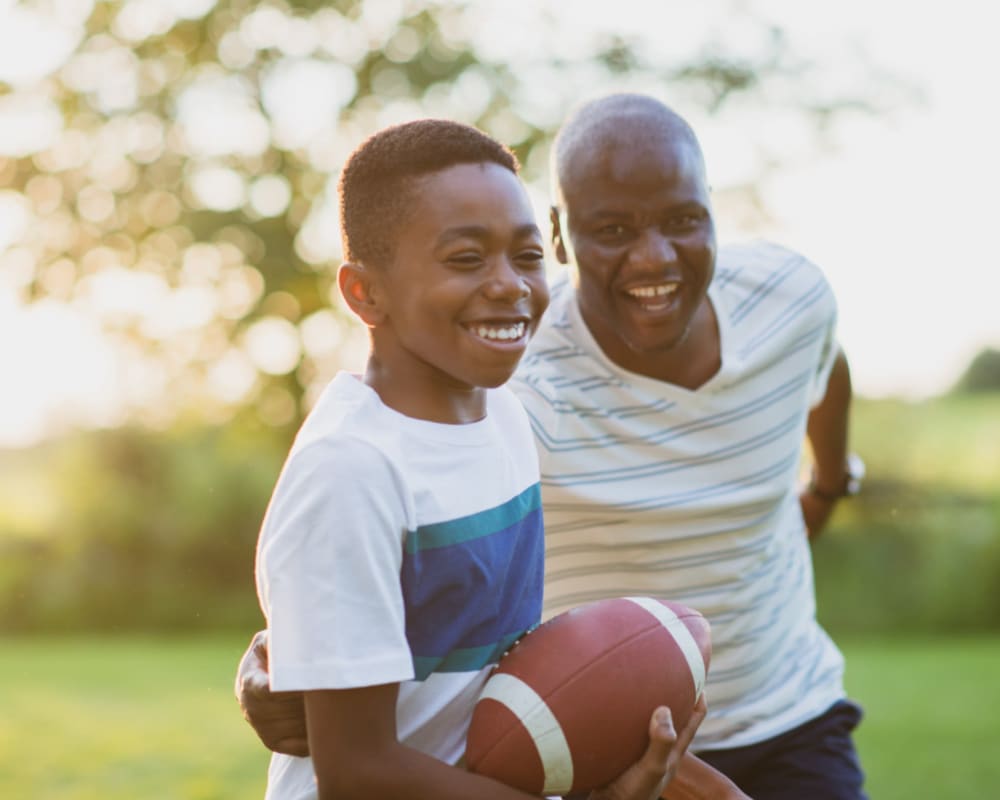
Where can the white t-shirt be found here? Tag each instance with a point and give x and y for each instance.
(399, 550)
(650, 488)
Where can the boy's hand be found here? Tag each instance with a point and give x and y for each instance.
(278, 718)
(647, 778)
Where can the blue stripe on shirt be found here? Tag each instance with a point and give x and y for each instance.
(472, 586)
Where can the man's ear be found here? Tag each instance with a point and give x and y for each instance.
(558, 241)
(361, 291)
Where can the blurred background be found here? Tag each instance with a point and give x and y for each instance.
(168, 313)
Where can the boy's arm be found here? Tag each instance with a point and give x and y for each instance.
(696, 780)
(278, 718)
(356, 755)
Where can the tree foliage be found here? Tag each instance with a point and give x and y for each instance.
(185, 197)
(982, 374)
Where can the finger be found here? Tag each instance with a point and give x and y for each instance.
(647, 777)
(662, 734)
(244, 669)
(662, 737)
(259, 648)
(293, 747)
(290, 746)
(279, 722)
(252, 679)
(684, 740)
(685, 737)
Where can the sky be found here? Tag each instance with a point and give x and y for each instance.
(898, 212)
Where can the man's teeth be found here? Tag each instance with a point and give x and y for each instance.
(662, 290)
(505, 333)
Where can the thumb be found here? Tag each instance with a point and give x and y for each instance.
(662, 737)
(660, 760)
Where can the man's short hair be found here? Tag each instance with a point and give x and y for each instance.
(378, 184)
(599, 121)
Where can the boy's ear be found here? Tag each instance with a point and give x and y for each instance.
(558, 240)
(361, 291)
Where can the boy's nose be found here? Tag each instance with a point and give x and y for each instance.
(507, 283)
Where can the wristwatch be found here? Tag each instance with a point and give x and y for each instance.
(854, 473)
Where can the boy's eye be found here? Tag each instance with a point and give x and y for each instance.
(530, 258)
(465, 260)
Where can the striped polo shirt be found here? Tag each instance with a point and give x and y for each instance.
(650, 488)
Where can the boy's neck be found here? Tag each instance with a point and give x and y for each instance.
(422, 398)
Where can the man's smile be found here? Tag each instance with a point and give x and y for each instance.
(654, 297)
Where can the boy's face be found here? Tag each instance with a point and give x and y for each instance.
(639, 220)
(466, 287)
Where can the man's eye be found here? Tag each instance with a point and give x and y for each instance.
(612, 231)
(684, 222)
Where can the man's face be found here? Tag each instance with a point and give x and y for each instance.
(466, 287)
(639, 221)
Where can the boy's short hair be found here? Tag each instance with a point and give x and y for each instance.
(377, 185)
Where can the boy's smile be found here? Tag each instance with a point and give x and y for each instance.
(461, 296)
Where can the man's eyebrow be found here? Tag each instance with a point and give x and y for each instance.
(483, 232)
(602, 214)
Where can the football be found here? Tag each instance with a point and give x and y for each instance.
(567, 709)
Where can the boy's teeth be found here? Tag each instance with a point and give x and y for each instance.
(662, 290)
(505, 333)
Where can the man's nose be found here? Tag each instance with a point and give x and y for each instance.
(653, 248)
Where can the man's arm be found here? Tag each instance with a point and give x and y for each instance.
(826, 431)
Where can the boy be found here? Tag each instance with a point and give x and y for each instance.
(402, 550)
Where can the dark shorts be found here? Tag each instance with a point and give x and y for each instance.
(815, 761)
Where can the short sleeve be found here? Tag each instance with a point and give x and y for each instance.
(829, 348)
(328, 567)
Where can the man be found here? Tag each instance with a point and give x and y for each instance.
(670, 388)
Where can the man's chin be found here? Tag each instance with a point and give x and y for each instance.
(653, 344)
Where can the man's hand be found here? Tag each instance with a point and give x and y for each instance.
(278, 718)
(816, 511)
(648, 777)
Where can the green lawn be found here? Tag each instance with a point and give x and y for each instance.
(150, 718)
(932, 724)
(124, 719)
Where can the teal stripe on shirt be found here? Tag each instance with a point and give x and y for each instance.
(464, 659)
(483, 523)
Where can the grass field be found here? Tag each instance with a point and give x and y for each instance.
(130, 718)
(932, 728)
(124, 719)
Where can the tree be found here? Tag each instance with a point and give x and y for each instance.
(184, 195)
(982, 374)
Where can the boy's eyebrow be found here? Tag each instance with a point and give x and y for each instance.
(483, 232)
